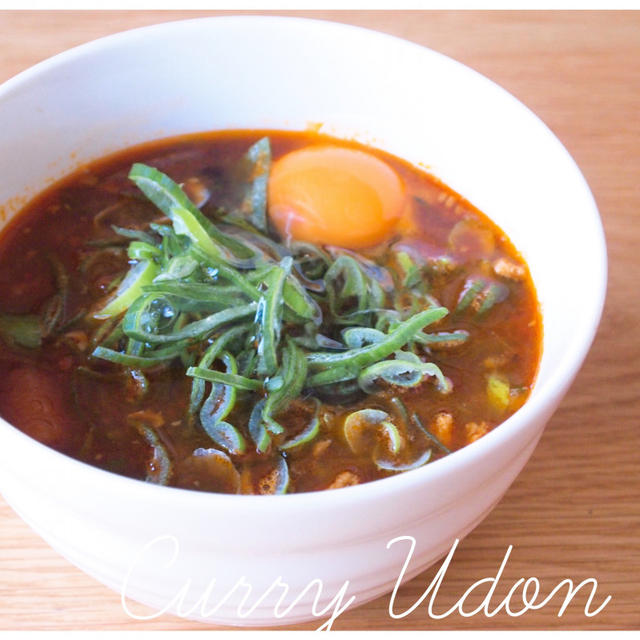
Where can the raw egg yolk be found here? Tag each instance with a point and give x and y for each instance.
(334, 195)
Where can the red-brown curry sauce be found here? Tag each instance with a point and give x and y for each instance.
(87, 416)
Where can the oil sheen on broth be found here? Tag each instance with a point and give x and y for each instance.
(260, 312)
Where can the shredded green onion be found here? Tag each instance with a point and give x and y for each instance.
(251, 320)
(23, 330)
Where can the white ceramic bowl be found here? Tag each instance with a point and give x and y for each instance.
(266, 72)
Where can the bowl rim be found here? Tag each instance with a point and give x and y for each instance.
(541, 398)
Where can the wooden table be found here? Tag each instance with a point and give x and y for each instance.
(574, 512)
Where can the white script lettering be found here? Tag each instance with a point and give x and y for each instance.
(204, 609)
(529, 600)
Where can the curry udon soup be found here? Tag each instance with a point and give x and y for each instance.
(260, 312)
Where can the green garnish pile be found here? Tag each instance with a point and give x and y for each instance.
(266, 321)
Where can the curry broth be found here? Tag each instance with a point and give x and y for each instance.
(81, 406)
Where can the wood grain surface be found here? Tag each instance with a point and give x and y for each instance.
(574, 512)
